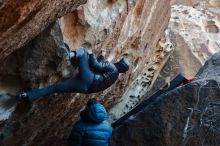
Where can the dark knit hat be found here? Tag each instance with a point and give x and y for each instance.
(122, 65)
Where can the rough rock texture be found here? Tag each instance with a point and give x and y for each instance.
(198, 3)
(198, 28)
(194, 33)
(21, 21)
(145, 50)
(44, 57)
(92, 22)
(42, 61)
(187, 115)
(187, 35)
(45, 122)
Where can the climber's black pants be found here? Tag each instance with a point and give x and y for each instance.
(79, 84)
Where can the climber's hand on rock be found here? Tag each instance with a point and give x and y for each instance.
(89, 51)
(80, 52)
(21, 96)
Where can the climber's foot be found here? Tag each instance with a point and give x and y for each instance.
(21, 96)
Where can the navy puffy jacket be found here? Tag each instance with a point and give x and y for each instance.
(105, 74)
(92, 129)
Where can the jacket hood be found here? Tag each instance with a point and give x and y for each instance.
(122, 65)
(94, 113)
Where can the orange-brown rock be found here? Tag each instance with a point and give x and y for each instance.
(21, 21)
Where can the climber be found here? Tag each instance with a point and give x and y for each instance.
(92, 129)
(94, 76)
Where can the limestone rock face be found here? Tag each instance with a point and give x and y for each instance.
(186, 115)
(198, 3)
(198, 28)
(194, 34)
(215, 3)
(188, 30)
(21, 21)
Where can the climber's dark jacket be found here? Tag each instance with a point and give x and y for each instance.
(105, 74)
(92, 129)
(93, 76)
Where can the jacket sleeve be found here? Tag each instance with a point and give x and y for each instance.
(99, 66)
(76, 136)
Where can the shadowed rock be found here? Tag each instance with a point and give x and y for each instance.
(163, 122)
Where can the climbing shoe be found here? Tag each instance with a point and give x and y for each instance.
(21, 96)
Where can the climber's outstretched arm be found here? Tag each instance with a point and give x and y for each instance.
(99, 66)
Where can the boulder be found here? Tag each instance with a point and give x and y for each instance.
(187, 115)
